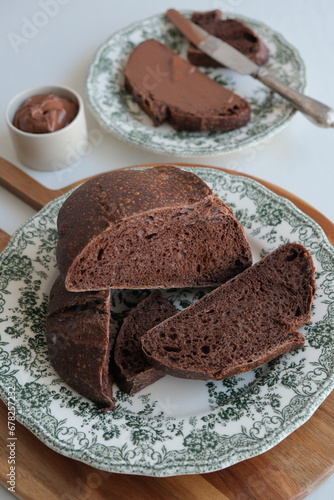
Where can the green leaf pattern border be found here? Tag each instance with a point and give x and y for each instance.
(246, 415)
(117, 112)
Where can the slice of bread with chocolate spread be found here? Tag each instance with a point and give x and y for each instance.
(169, 88)
(232, 31)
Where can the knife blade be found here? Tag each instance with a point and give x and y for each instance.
(315, 111)
(211, 45)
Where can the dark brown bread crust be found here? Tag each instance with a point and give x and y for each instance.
(231, 31)
(77, 334)
(168, 88)
(61, 299)
(163, 223)
(242, 324)
(131, 371)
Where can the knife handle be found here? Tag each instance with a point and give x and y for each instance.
(318, 113)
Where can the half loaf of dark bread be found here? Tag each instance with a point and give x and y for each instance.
(168, 88)
(161, 227)
(130, 369)
(242, 324)
(77, 334)
(231, 31)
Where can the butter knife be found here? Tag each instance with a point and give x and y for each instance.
(318, 113)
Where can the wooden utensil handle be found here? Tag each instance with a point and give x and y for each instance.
(4, 239)
(36, 195)
(24, 187)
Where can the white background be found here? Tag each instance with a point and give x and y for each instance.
(298, 159)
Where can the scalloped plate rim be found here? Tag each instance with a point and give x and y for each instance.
(314, 402)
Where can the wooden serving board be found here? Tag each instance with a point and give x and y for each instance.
(289, 471)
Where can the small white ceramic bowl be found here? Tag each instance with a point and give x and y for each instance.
(51, 151)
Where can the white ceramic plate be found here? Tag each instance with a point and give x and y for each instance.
(175, 426)
(117, 111)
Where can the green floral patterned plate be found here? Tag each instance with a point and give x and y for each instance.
(175, 426)
(117, 112)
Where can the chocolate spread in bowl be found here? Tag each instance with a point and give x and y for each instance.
(45, 113)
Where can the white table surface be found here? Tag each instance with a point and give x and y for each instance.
(298, 159)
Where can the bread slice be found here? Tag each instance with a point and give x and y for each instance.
(131, 371)
(156, 228)
(168, 88)
(242, 324)
(231, 31)
(77, 334)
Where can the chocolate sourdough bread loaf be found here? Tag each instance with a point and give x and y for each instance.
(77, 334)
(242, 324)
(131, 371)
(161, 227)
(231, 31)
(168, 88)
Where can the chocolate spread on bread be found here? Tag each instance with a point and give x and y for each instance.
(231, 31)
(168, 88)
